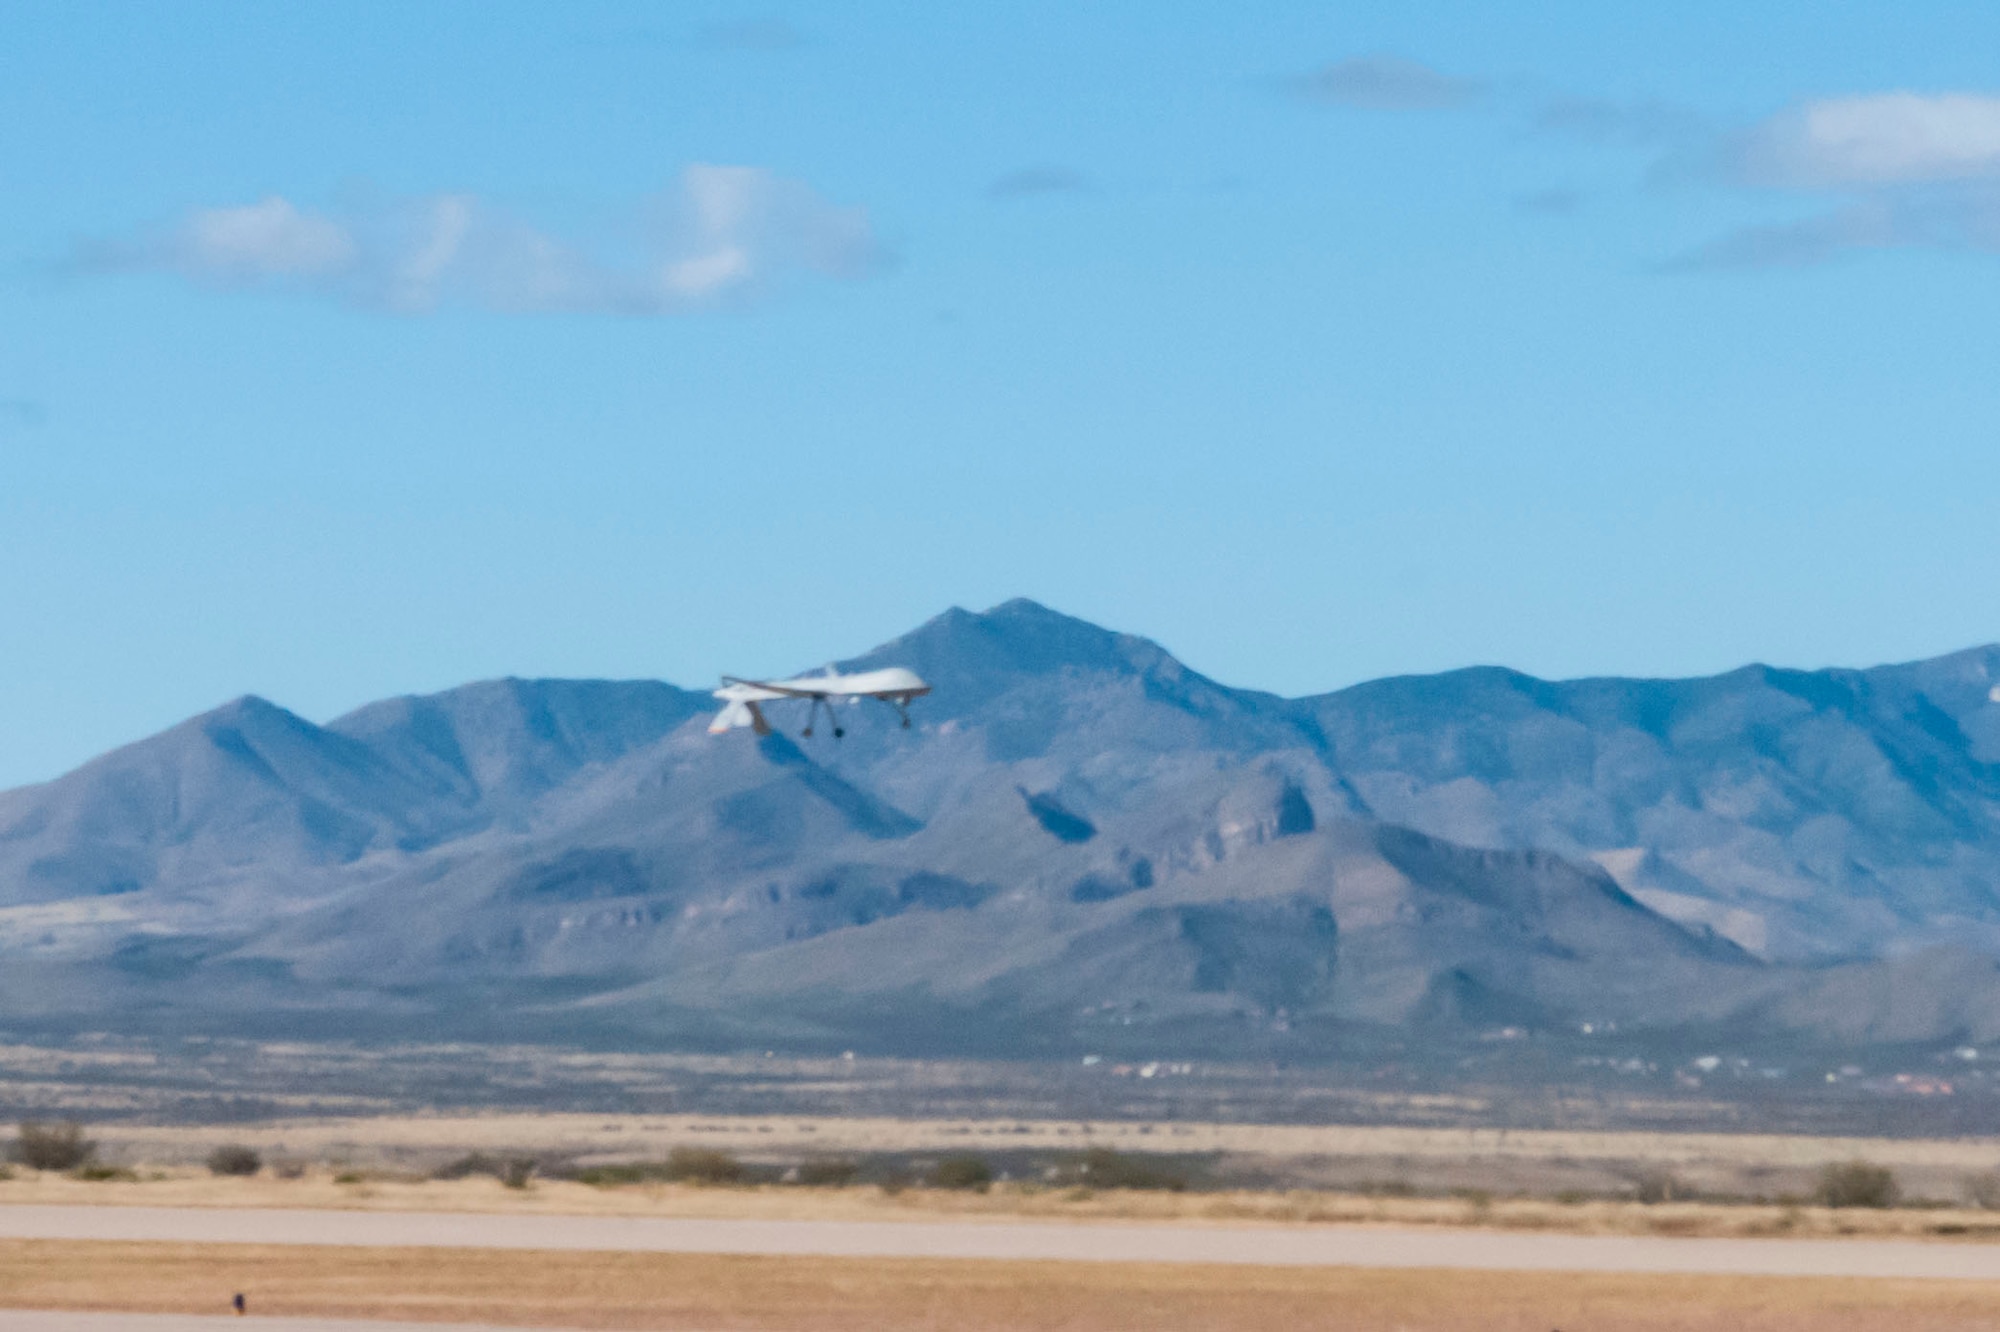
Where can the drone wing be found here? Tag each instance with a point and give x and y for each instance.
(893, 685)
(805, 687)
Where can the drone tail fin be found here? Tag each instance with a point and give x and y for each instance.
(740, 712)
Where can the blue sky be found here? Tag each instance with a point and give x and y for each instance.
(349, 350)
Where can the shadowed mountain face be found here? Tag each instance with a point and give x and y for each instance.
(1805, 814)
(1080, 842)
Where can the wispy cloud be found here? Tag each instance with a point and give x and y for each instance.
(1790, 245)
(1897, 170)
(1877, 171)
(1386, 83)
(1887, 139)
(720, 235)
(1644, 123)
(1873, 171)
(1036, 180)
(1946, 219)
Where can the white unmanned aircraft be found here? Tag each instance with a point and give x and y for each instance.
(893, 685)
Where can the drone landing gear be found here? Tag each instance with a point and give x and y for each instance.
(812, 715)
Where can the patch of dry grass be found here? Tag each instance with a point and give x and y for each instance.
(659, 1291)
(195, 1187)
(654, 1135)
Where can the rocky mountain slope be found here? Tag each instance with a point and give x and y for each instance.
(1082, 842)
(1807, 814)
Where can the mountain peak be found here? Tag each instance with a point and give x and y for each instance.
(246, 705)
(1026, 608)
(251, 713)
(971, 656)
(1021, 635)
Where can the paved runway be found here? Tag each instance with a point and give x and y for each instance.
(1317, 1246)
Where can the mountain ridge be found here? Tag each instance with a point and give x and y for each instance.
(1076, 811)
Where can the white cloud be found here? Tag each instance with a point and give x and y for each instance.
(1386, 83)
(1885, 139)
(446, 221)
(736, 226)
(1895, 170)
(1892, 170)
(719, 235)
(262, 240)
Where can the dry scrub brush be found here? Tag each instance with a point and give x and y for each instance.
(52, 1146)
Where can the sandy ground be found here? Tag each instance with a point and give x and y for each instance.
(712, 1293)
(629, 1136)
(194, 1187)
(43, 1320)
(1381, 1160)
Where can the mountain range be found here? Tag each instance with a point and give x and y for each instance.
(1081, 844)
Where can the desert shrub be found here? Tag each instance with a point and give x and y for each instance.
(827, 1172)
(611, 1176)
(513, 1171)
(892, 1177)
(962, 1172)
(350, 1177)
(1660, 1186)
(52, 1146)
(1856, 1184)
(234, 1159)
(1387, 1188)
(1105, 1169)
(1983, 1190)
(703, 1165)
(473, 1163)
(100, 1174)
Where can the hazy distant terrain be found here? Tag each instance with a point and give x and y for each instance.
(1080, 845)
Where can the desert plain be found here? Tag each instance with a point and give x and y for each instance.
(686, 1293)
(1451, 1182)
